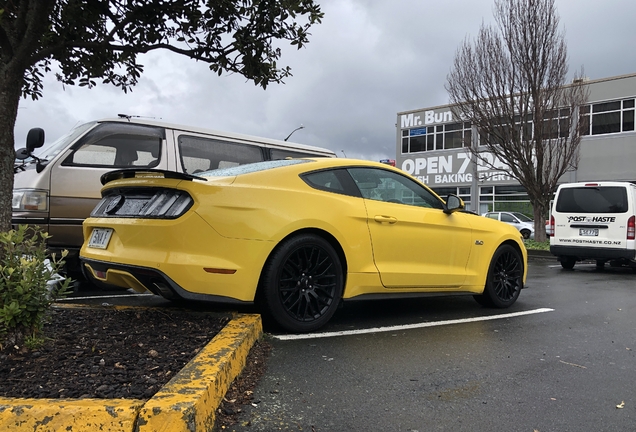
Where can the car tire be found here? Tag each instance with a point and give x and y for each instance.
(302, 284)
(504, 280)
(525, 234)
(600, 265)
(567, 262)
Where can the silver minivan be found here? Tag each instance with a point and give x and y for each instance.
(595, 221)
(57, 185)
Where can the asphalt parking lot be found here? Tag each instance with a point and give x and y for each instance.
(561, 359)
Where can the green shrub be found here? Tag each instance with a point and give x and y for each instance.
(533, 245)
(26, 290)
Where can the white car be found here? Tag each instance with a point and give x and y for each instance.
(523, 223)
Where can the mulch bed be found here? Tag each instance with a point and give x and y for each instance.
(116, 353)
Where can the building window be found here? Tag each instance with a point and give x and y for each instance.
(462, 192)
(608, 117)
(441, 137)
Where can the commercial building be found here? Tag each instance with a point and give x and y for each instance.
(431, 146)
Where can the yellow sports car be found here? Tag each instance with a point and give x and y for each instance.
(297, 236)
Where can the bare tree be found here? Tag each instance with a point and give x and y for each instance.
(510, 82)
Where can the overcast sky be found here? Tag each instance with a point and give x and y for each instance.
(366, 62)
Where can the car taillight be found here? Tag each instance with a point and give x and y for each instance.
(631, 228)
(550, 229)
(144, 204)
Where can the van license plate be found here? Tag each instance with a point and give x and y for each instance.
(100, 238)
(588, 231)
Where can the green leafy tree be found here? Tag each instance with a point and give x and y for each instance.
(510, 83)
(88, 41)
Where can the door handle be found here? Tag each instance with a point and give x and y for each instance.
(385, 219)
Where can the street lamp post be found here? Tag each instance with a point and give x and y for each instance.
(290, 134)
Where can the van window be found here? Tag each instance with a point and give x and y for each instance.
(204, 154)
(117, 145)
(283, 153)
(606, 199)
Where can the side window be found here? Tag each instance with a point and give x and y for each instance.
(117, 145)
(388, 186)
(494, 216)
(203, 154)
(276, 154)
(505, 217)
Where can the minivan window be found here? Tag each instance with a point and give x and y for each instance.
(49, 151)
(605, 199)
(282, 154)
(251, 168)
(204, 154)
(118, 145)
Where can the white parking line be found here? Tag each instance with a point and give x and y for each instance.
(409, 326)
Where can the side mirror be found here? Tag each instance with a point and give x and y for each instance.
(21, 154)
(35, 139)
(453, 204)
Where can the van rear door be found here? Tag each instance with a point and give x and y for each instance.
(592, 215)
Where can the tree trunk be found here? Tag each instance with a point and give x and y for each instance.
(10, 92)
(539, 213)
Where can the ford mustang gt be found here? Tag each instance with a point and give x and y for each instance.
(298, 237)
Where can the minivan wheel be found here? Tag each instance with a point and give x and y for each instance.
(302, 283)
(504, 280)
(525, 234)
(600, 264)
(568, 262)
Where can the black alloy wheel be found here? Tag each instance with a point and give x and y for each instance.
(504, 280)
(302, 283)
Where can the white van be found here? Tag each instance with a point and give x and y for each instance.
(57, 185)
(596, 221)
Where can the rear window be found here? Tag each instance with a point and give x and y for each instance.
(606, 199)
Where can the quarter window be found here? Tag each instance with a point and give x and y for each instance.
(325, 180)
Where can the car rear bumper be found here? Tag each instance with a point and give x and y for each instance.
(142, 278)
(593, 253)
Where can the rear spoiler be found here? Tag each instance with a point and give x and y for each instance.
(146, 173)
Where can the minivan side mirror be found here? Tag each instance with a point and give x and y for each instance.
(21, 154)
(35, 139)
(453, 204)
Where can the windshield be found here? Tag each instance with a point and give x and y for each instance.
(522, 217)
(49, 151)
(250, 168)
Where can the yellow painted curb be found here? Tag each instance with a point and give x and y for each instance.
(44, 415)
(186, 403)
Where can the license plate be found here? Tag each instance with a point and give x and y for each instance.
(588, 231)
(100, 238)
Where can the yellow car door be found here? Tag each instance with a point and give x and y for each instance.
(415, 244)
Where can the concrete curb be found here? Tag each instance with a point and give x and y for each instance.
(187, 403)
(540, 254)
